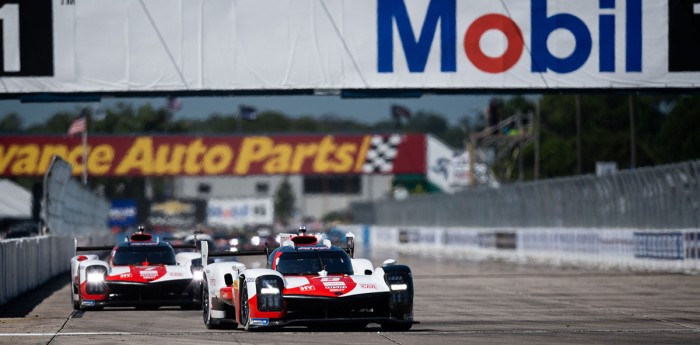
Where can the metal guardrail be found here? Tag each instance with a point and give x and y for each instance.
(70, 209)
(663, 197)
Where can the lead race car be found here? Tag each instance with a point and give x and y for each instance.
(307, 283)
(142, 271)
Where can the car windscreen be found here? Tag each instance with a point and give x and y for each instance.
(312, 262)
(137, 255)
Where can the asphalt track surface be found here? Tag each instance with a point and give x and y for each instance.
(455, 303)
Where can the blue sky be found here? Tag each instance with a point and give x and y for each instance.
(370, 110)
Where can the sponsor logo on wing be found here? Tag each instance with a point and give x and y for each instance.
(307, 288)
(369, 286)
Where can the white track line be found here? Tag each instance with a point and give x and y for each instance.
(467, 332)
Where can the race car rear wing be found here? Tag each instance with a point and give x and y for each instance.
(288, 239)
(206, 254)
(90, 248)
(110, 247)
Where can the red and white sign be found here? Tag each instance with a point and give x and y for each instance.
(217, 155)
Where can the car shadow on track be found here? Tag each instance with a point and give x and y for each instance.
(23, 304)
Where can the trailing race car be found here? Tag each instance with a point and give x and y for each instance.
(140, 272)
(307, 283)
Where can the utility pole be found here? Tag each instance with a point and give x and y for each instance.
(579, 163)
(633, 145)
(536, 129)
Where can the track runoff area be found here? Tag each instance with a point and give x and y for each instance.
(456, 302)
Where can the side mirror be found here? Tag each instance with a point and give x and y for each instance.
(228, 279)
(350, 242)
(389, 262)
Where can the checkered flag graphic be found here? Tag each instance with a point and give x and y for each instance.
(381, 154)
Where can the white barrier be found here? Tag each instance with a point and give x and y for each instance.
(645, 250)
(29, 262)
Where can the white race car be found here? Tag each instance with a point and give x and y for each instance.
(140, 272)
(307, 283)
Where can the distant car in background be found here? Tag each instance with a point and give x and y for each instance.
(260, 239)
(194, 240)
(141, 272)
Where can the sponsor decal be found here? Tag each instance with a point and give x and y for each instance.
(659, 245)
(307, 288)
(125, 275)
(176, 274)
(369, 286)
(207, 156)
(260, 322)
(250, 280)
(335, 286)
(88, 302)
(546, 17)
(149, 273)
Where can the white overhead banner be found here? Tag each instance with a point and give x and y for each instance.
(220, 45)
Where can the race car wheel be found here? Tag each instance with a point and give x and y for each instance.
(76, 304)
(357, 327)
(206, 309)
(397, 327)
(245, 307)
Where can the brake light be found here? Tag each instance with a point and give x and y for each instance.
(140, 237)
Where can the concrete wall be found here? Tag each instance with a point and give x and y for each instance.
(29, 262)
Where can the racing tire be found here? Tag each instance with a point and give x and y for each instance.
(357, 327)
(191, 306)
(206, 309)
(397, 327)
(76, 304)
(245, 308)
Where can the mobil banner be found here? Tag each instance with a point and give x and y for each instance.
(204, 45)
(217, 155)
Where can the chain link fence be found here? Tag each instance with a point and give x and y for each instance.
(70, 209)
(660, 197)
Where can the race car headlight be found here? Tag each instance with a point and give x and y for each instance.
(401, 286)
(95, 277)
(398, 287)
(233, 242)
(197, 275)
(269, 293)
(255, 240)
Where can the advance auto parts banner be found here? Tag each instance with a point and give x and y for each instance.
(202, 156)
(170, 45)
